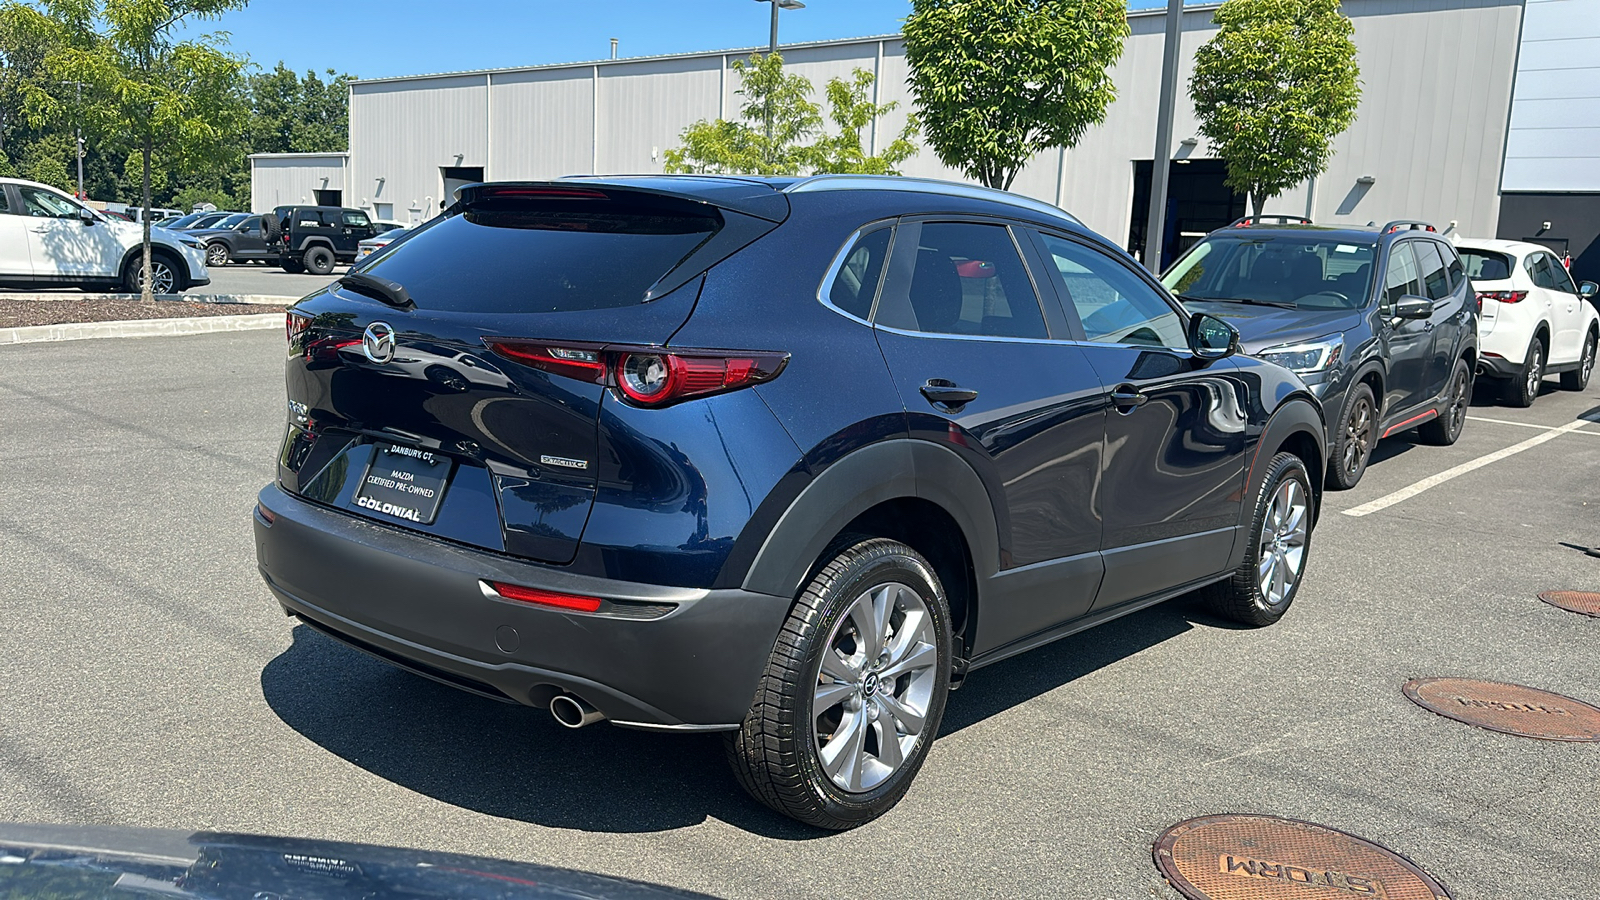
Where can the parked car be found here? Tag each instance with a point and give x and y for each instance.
(178, 223)
(379, 241)
(891, 471)
(212, 219)
(48, 239)
(1386, 354)
(315, 238)
(380, 226)
(112, 214)
(1532, 320)
(245, 241)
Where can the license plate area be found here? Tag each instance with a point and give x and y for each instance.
(404, 483)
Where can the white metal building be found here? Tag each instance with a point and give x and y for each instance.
(285, 179)
(1438, 132)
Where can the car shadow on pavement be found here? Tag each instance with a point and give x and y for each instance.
(501, 760)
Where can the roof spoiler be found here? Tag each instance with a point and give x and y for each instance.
(741, 196)
(1408, 225)
(1248, 221)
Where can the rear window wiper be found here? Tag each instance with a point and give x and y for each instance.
(390, 292)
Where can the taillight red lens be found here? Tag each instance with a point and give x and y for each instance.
(546, 598)
(647, 376)
(1502, 296)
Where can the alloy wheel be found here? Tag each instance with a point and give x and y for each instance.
(874, 687)
(1535, 371)
(162, 277)
(1358, 436)
(1587, 366)
(1460, 397)
(216, 255)
(1283, 543)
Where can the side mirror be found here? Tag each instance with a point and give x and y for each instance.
(1588, 289)
(1212, 338)
(86, 217)
(1413, 307)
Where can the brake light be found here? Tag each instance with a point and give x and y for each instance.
(1502, 296)
(546, 598)
(647, 376)
(294, 325)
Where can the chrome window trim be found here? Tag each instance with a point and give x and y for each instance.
(818, 183)
(826, 287)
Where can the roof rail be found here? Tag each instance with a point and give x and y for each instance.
(925, 186)
(1408, 225)
(1248, 221)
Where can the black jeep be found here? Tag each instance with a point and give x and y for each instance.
(314, 238)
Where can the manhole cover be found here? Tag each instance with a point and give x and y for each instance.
(1584, 602)
(1267, 858)
(1507, 708)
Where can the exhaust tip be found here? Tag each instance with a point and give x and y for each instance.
(572, 712)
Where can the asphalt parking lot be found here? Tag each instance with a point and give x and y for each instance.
(258, 278)
(147, 678)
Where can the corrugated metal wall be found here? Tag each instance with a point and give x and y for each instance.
(1554, 143)
(294, 178)
(1431, 127)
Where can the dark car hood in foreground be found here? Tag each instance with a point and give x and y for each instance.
(74, 862)
(1270, 326)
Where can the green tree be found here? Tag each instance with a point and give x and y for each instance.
(1273, 88)
(180, 101)
(23, 43)
(998, 81)
(290, 114)
(781, 130)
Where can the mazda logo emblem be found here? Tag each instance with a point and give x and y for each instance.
(378, 342)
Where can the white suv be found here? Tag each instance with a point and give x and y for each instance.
(48, 239)
(1533, 320)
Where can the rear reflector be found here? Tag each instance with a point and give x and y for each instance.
(265, 515)
(546, 598)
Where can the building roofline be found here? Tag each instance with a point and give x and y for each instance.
(701, 54)
(343, 153)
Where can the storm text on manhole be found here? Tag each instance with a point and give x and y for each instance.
(1507, 708)
(1585, 603)
(1245, 857)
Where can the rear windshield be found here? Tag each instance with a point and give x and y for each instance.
(1305, 271)
(1486, 265)
(550, 256)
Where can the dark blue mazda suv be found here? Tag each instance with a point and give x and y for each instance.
(783, 458)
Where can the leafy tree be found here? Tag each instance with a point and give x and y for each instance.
(180, 100)
(852, 113)
(23, 44)
(1273, 88)
(998, 81)
(294, 115)
(781, 130)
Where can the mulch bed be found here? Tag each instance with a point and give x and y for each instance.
(18, 313)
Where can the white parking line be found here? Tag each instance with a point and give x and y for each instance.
(1526, 424)
(1407, 493)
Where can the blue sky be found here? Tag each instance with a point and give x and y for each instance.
(376, 38)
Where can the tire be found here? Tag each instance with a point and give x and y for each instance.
(216, 254)
(1578, 379)
(271, 228)
(165, 271)
(1444, 429)
(775, 754)
(293, 266)
(1353, 442)
(1241, 598)
(318, 261)
(1523, 388)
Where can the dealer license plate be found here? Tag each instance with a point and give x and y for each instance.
(404, 483)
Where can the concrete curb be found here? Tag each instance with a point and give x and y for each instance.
(254, 299)
(78, 331)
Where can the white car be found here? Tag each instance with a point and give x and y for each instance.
(1533, 321)
(48, 239)
(381, 240)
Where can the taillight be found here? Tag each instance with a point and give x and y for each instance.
(294, 325)
(546, 598)
(648, 376)
(1502, 296)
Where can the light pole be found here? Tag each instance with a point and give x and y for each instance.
(1156, 223)
(772, 45)
(77, 132)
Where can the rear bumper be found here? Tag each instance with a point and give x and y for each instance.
(1498, 367)
(419, 603)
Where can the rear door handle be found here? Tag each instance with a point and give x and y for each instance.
(947, 393)
(1128, 398)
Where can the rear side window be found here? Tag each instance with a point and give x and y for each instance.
(855, 282)
(356, 219)
(1457, 272)
(1486, 265)
(1434, 277)
(1401, 277)
(527, 256)
(968, 279)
